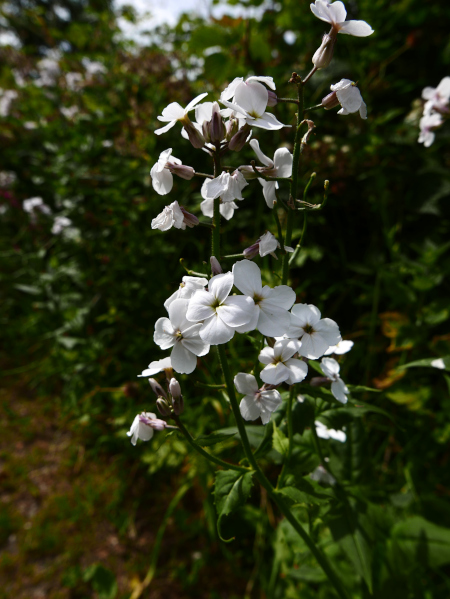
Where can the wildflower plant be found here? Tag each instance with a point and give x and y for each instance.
(285, 338)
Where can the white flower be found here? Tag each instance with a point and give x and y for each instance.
(329, 433)
(270, 306)
(321, 475)
(250, 100)
(162, 178)
(221, 314)
(6, 98)
(349, 97)
(281, 366)
(342, 347)
(268, 243)
(171, 216)
(257, 402)
(316, 334)
(331, 369)
(174, 112)
(335, 14)
(60, 223)
(33, 204)
(438, 363)
(181, 334)
(427, 123)
(93, 67)
(186, 289)
(226, 186)
(226, 208)
(74, 81)
(143, 426)
(158, 366)
(280, 166)
(69, 112)
(437, 98)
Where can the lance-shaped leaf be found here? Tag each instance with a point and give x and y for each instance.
(231, 490)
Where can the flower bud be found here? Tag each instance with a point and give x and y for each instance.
(216, 269)
(174, 388)
(216, 126)
(190, 220)
(239, 140)
(181, 170)
(330, 101)
(163, 407)
(231, 128)
(323, 55)
(251, 251)
(154, 423)
(319, 381)
(205, 131)
(178, 405)
(195, 137)
(156, 388)
(273, 99)
(248, 171)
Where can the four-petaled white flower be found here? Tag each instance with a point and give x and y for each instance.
(226, 186)
(221, 314)
(340, 348)
(181, 334)
(158, 366)
(186, 289)
(329, 433)
(161, 172)
(437, 98)
(270, 306)
(257, 402)
(316, 334)
(250, 100)
(226, 208)
(331, 369)
(335, 14)
(144, 425)
(281, 366)
(349, 98)
(266, 244)
(280, 166)
(171, 216)
(174, 112)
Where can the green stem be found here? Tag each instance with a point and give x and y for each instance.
(321, 558)
(316, 107)
(204, 453)
(280, 232)
(299, 244)
(234, 256)
(294, 183)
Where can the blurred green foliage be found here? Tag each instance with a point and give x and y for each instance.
(79, 309)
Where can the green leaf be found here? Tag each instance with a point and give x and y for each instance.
(315, 366)
(266, 444)
(417, 540)
(231, 489)
(308, 492)
(361, 388)
(213, 438)
(280, 441)
(367, 407)
(439, 363)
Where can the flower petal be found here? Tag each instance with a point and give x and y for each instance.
(177, 314)
(357, 28)
(249, 408)
(162, 181)
(339, 390)
(266, 355)
(245, 383)
(267, 121)
(254, 143)
(267, 80)
(283, 296)
(164, 333)
(196, 345)
(273, 321)
(283, 162)
(330, 367)
(165, 128)
(221, 285)
(247, 277)
(298, 370)
(200, 306)
(274, 374)
(328, 330)
(193, 102)
(183, 361)
(173, 112)
(252, 97)
(237, 310)
(269, 194)
(215, 331)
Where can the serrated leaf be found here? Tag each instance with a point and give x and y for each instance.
(279, 441)
(213, 438)
(231, 489)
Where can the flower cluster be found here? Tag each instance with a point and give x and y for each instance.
(435, 110)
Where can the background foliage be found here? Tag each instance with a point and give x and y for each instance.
(79, 308)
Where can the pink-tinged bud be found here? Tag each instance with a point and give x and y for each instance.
(163, 407)
(323, 55)
(330, 101)
(216, 126)
(156, 388)
(205, 131)
(190, 220)
(154, 423)
(195, 137)
(239, 140)
(174, 388)
(216, 269)
(319, 381)
(231, 128)
(251, 251)
(178, 405)
(181, 170)
(273, 99)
